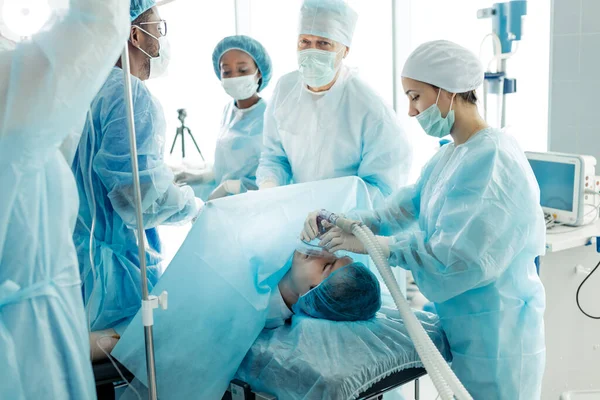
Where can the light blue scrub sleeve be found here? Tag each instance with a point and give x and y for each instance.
(401, 211)
(386, 158)
(274, 164)
(476, 229)
(162, 201)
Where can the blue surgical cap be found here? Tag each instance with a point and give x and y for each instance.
(247, 45)
(351, 293)
(331, 19)
(138, 7)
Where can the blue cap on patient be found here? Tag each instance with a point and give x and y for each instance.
(351, 293)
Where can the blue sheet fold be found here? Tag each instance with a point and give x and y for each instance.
(219, 285)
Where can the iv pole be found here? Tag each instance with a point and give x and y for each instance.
(507, 27)
(148, 302)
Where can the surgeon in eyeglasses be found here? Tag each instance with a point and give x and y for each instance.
(105, 233)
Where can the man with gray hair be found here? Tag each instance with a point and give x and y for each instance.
(323, 121)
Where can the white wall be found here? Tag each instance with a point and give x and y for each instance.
(527, 109)
(194, 31)
(575, 81)
(370, 51)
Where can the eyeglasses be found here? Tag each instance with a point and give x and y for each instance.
(162, 26)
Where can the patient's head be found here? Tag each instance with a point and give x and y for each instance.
(350, 293)
(329, 287)
(308, 271)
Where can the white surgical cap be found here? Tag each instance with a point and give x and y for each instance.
(331, 19)
(446, 65)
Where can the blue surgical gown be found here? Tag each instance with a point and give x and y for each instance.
(346, 131)
(238, 147)
(480, 227)
(102, 168)
(47, 84)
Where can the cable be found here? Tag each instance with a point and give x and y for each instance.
(551, 224)
(111, 359)
(496, 44)
(92, 229)
(498, 55)
(93, 210)
(503, 56)
(579, 288)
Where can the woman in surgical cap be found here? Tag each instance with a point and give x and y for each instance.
(244, 68)
(480, 228)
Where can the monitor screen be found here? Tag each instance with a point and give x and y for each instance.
(557, 183)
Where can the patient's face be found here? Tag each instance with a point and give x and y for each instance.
(309, 271)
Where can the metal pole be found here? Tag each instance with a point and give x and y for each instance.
(485, 99)
(243, 24)
(394, 56)
(236, 8)
(503, 112)
(150, 366)
(417, 389)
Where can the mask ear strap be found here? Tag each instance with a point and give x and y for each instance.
(452, 102)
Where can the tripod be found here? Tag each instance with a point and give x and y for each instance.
(181, 132)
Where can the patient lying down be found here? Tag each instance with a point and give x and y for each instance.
(326, 287)
(321, 286)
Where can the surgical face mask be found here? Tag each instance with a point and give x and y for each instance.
(317, 67)
(241, 87)
(158, 64)
(433, 123)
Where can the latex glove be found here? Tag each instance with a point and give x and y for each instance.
(336, 239)
(227, 188)
(310, 230)
(187, 178)
(267, 185)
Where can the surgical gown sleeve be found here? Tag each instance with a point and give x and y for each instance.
(473, 230)
(57, 73)
(274, 165)
(401, 210)
(386, 157)
(46, 85)
(162, 201)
